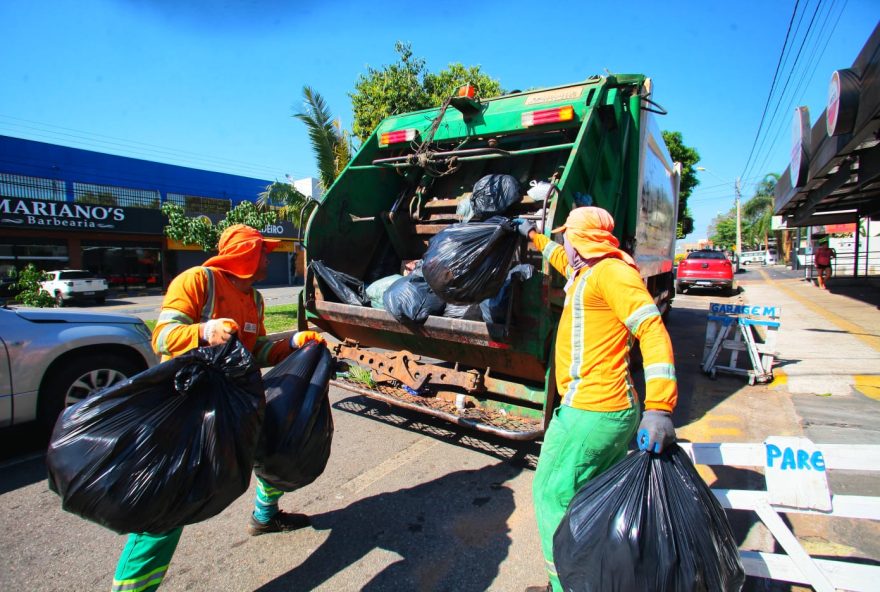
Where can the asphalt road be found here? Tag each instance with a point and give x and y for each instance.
(404, 504)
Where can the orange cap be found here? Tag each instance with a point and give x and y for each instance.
(240, 249)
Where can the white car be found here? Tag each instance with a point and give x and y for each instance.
(50, 359)
(66, 285)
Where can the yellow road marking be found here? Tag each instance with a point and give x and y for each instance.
(868, 385)
(725, 431)
(780, 378)
(722, 417)
(856, 331)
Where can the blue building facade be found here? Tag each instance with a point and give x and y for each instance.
(67, 208)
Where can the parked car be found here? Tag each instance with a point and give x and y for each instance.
(50, 359)
(66, 285)
(7, 287)
(705, 269)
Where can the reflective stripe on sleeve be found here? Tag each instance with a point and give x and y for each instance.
(173, 316)
(635, 320)
(163, 335)
(655, 371)
(208, 309)
(549, 248)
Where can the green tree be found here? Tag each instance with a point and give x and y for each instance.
(331, 145)
(725, 231)
(406, 85)
(199, 230)
(688, 157)
(757, 212)
(29, 290)
(284, 197)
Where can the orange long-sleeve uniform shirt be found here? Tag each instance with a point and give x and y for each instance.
(202, 293)
(605, 307)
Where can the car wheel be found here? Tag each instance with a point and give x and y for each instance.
(100, 300)
(59, 301)
(78, 378)
(679, 289)
(728, 291)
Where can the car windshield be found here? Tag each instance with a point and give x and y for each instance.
(706, 255)
(75, 275)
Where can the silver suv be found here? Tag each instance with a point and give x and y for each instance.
(50, 359)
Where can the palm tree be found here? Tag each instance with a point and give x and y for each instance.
(758, 212)
(331, 145)
(283, 197)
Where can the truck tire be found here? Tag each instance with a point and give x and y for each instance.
(77, 378)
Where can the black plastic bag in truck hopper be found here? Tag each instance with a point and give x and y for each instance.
(494, 309)
(467, 263)
(493, 194)
(298, 429)
(647, 524)
(173, 445)
(411, 300)
(347, 289)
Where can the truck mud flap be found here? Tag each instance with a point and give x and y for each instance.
(480, 420)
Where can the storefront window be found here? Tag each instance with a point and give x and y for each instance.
(124, 264)
(31, 187)
(43, 254)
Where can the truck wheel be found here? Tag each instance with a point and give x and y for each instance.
(76, 379)
(59, 301)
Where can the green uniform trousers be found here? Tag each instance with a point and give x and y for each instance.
(578, 446)
(145, 558)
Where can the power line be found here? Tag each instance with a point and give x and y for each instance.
(772, 87)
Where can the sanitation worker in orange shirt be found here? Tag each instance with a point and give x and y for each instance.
(606, 305)
(204, 306)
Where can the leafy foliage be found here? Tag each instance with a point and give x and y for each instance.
(331, 144)
(199, 230)
(688, 157)
(406, 85)
(757, 212)
(725, 231)
(30, 293)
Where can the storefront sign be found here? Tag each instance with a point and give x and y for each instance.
(843, 102)
(800, 147)
(58, 215)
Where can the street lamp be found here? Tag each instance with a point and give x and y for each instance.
(738, 213)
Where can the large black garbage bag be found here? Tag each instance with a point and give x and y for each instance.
(493, 194)
(467, 263)
(348, 289)
(298, 429)
(647, 524)
(494, 309)
(170, 446)
(411, 300)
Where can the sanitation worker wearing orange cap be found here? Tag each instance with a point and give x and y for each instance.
(206, 305)
(606, 305)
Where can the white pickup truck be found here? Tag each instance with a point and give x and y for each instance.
(68, 285)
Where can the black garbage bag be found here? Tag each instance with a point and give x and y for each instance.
(467, 312)
(647, 524)
(467, 263)
(173, 445)
(347, 289)
(493, 194)
(494, 309)
(411, 300)
(298, 429)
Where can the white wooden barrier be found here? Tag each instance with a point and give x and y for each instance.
(797, 566)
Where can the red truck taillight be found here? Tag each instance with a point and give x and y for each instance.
(545, 116)
(398, 137)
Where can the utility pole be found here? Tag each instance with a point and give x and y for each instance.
(738, 227)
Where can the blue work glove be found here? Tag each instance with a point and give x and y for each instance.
(524, 227)
(656, 431)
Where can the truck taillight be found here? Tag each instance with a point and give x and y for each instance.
(544, 116)
(467, 91)
(398, 137)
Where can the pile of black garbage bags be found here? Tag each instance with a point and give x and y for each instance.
(176, 444)
(467, 271)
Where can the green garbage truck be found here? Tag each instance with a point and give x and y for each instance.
(595, 142)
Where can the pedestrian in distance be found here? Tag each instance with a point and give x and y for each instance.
(606, 305)
(205, 306)
(822, 257)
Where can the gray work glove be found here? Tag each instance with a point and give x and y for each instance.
(524, 227)
(656, 431)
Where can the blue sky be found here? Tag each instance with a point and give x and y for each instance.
(213, 84)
